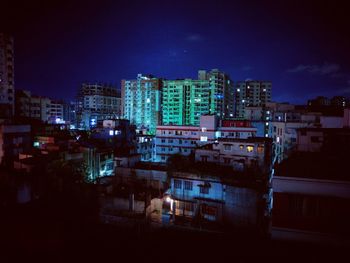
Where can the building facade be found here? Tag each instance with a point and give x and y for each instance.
(184, 101)
(40, 108)
(221, 92)
(7, 90)
(141, 102)
(177, 139)
(95, 103)
(241, 154)
(250, 93)
(14, 139)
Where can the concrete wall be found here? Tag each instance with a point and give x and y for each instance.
(240, 206)
(311, 186)
(215, 190)
(346, 119)
(331, 122)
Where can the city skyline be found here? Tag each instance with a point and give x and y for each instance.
(295, 45)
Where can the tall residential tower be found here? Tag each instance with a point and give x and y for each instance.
(7, 93)
(220, 92)
(250, 93)
(141, 100)
(184, 101)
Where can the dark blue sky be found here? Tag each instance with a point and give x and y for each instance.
(303, 48)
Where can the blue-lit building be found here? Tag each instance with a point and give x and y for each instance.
(212, 202)
(141, 99)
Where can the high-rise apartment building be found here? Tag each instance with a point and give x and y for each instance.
(220, 92)
(250, 93)
(95, 103)
(7, 93)
(141, 100)
(184, 101)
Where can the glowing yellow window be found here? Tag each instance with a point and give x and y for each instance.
(250, 148)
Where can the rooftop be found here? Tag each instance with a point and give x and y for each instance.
(315, 166)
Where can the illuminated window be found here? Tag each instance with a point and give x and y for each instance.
(204, 138)
(111, 133)
(177, 184)
(241, 147)
(250, 148)
(204, 129)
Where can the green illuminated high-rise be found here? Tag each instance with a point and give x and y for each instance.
(185, 100)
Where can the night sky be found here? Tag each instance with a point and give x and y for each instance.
(303, 48)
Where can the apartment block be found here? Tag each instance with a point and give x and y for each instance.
(250, 93)
(95, 103)
(178, 139)
(184, 101)
(221, 92)
(141, 102)
(7, 90)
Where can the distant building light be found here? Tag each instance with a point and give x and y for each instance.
(111, 132)
(238, 90)
(116, 132)
(266, 135)
(278, 139)
(204, 138)
(36, 144)
(266, 123)
(264, 90)
(243, 101)
(204, 129)
(148, 100)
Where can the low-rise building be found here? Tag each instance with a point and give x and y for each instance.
(172, 139)
(241, 154)
(14, 139)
